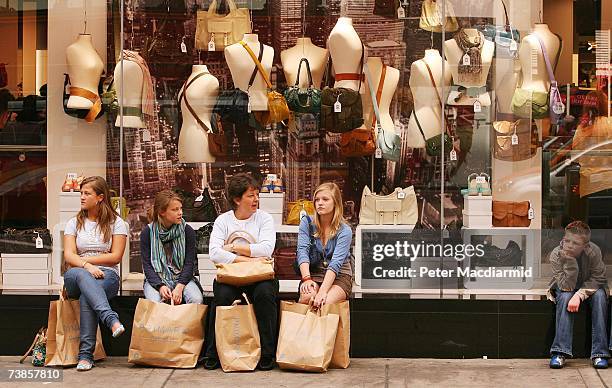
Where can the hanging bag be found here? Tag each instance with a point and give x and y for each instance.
(397, 208)
(505, 37)
(524, 146)
(431, 17)
(215, 31)
(302, 100)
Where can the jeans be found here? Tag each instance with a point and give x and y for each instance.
(191, 293)
(263, 297)
(565, 324)
(93, 295)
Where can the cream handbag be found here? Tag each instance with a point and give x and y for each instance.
(214, 31)
(397, 208)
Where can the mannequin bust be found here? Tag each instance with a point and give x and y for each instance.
(241, 67)
(345, 50)
(84, 68)
(532, 80)
(317, 59)
(202, 94)
(426, 106)
(375, 65)
(132, 93)
(454, 55)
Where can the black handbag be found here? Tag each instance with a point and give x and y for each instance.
(24, 241)
(197, 208)
(303, 100)
(203, 238)
(233, 105)
(83, 113)
(387, 8)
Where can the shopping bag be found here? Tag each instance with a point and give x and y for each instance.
(340, 358)
(306, 341)
(167, 335)
(245, 273)
(63, 334)
(237, 337)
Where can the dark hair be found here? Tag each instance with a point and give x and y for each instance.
(5, 98)
(238, 185)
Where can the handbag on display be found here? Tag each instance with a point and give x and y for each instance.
(512, 214)
(387, 8)
(431, 17)
(358, 142)
(215, 31)
(303, 100)
(389, 142)
(217, 142)
(197, 208)
(91, 114)
(203, 238)
(119, 204)
(514, 141)
(25, 241)
(277, 106)
(341, 108)
(295, 208)
(397, 208)
(506, 38)
(493, 256)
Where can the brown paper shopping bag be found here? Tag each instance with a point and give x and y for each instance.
(63, 334)
(245, 273)
(237, 337)
(306, 342)
(167, 335)
(340, 358)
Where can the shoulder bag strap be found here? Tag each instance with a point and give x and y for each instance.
(183, 96)
(380, 132)
(361, 67)
(551, 73)
(507, 24)
(297, 80)
(433, 82)
(381, 83)
(254, 73)
(258, 64)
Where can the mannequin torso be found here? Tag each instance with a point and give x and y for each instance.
(317, 59)
(454, 55)
(132, 93)
(426, 106)
(392, 75)
(201, 94)
(345, 50)
(538, 80)
(84, 68)
(241, 67)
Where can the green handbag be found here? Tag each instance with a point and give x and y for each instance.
(530, 104)
(302, 100)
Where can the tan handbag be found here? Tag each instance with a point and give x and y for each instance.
(526, 139)
(431, 17)
(277, 105)
(222, 30)
(244, 273)
(511, 214)
(397, 208)
(156, 339)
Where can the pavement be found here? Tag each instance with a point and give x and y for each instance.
(363, 372)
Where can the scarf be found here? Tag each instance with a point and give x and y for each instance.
(471, 71)
(159, 235)
(148, 96)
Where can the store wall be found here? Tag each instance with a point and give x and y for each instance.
(72, 145)
(559, 15)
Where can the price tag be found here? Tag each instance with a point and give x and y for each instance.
(249, 108)
(71, 175)
(466, 60)
(303, 213)
(211, 45)
(453, 155)
(39, 242)
(401, 195)
(477, 107)
(531, 213)
(514, 139)
(378, 153)
(337, 106)
(513, 46)
(481, 179)
(199, 198)
(183, 47)
(146, 135)
(558, 107)
(401, 13)
(445, 233)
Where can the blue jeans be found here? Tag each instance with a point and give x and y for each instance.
(93, 295)
(191, 293)
(565, 324)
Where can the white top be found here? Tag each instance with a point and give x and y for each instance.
(90, 240)
(260, 225)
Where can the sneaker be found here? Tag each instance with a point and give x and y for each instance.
(84, 365)
(557, 361)
(600, 363)
(266, 363)
(212, 363)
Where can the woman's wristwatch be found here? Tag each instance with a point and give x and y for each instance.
(306, 278)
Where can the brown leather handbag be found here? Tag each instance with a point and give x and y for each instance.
(217, 142)
(526, 140)
(358, 142)
(511, 214)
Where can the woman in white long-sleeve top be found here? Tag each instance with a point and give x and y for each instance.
(257, 239)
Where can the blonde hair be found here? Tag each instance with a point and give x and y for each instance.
(338, 217)
(580, 228)
(106, 214)
(161, 203)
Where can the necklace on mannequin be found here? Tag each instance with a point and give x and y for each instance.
(470, 64)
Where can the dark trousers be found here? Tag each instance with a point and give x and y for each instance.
(263, 296)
